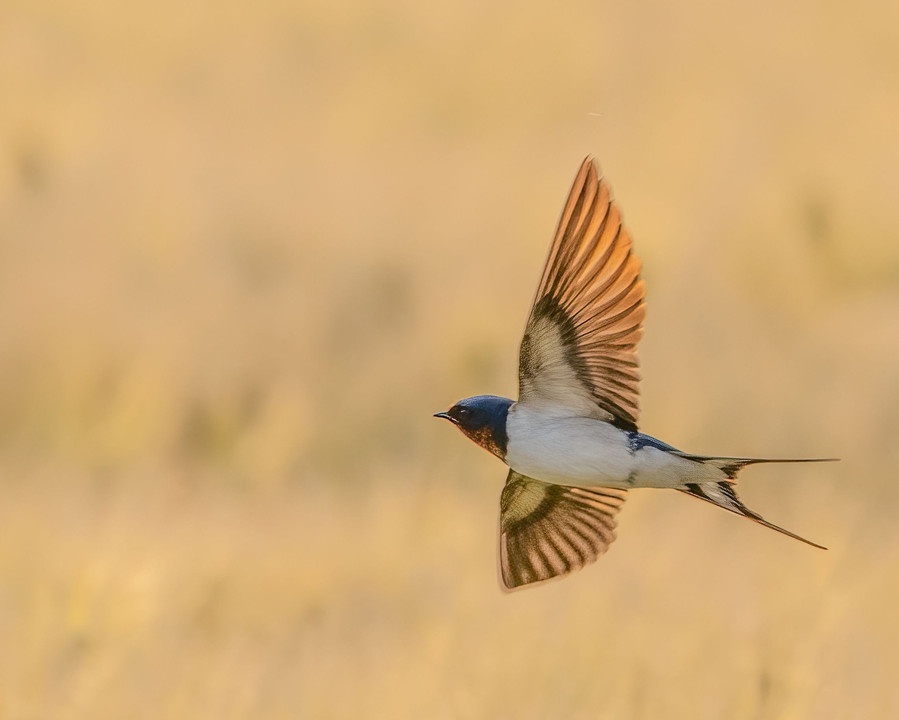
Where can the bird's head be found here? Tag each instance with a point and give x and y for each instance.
(483, 419)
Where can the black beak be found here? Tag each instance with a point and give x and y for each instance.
(444, 415)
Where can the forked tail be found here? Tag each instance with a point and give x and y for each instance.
(724, 495)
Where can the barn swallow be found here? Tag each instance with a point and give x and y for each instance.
(571, 440)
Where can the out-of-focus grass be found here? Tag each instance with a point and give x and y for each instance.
(245, 252)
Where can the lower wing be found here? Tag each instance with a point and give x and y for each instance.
(549, 530)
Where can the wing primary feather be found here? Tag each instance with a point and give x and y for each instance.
(596, 325)
(568, 212)
(579, 254)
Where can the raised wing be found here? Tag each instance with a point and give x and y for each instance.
(550, 530)
(579, 346)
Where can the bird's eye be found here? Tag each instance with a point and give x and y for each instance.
(463, 412)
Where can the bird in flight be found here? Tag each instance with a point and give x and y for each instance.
(571, 441)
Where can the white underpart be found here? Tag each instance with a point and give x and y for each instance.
(548, 444)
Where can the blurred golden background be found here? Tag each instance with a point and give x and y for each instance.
(246, 251)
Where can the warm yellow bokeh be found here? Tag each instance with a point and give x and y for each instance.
(246, 251)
